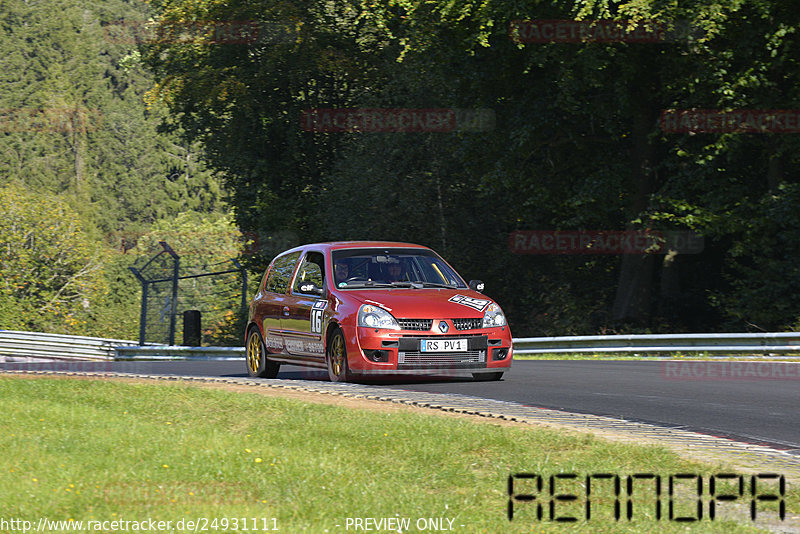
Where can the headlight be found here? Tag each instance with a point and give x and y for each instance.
(374, 317)
(493, 316)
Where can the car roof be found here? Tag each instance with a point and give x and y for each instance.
(336, 245)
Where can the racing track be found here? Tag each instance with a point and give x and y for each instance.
(754, 410)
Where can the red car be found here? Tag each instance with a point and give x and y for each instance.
(373, 308)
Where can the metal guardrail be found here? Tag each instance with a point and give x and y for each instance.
(17, 346)
(773, 342)
(167, 352)
(27, 346)
(32, 346)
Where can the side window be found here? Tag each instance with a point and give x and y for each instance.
(310, 279)
(281, 272)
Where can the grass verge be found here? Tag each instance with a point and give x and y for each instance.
(102, 451)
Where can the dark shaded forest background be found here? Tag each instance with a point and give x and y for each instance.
(114, 136)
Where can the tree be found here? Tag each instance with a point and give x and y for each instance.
(578, 145)
(73, 119)
(50, 271)
(244, 101)
(74, 126)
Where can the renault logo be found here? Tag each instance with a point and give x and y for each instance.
(443, 327)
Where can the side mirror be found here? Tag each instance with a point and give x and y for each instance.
(311, 288)
(476, 285)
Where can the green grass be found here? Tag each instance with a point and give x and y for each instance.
(108, 450)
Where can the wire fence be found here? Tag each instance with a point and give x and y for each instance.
(207, 298)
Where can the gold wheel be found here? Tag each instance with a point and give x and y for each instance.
(254, 353)
(257, 362)
(337, 355)
(337, 359)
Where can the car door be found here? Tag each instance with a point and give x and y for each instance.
(303, 309)
(271, 306)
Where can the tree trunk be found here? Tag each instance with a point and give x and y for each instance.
(632, 302)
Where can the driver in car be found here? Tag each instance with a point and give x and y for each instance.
(396, 272)
(342, 271)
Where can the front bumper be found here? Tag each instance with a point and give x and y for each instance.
(391, 351)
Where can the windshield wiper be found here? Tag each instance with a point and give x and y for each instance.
(434, 284)
(365, 283)
(415, 285)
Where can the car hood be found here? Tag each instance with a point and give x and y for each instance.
(428, 303)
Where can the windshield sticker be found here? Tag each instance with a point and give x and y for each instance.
(476, 304)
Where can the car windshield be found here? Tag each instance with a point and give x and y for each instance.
(392, 267)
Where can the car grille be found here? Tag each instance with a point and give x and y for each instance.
(415, 324)
(471, 358)
(468, 324)
(423, 325)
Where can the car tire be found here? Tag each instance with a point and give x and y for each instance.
(487, 377)
(336, 358)
(257, 363)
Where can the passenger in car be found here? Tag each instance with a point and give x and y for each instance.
(397, 272)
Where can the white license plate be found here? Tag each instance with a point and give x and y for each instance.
(443, 345)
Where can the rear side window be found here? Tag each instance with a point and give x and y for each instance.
(281, 272)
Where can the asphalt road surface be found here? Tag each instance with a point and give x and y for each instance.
(757, 409)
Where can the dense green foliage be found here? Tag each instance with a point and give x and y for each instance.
(84, 170)
(576, 144)
(50, 271)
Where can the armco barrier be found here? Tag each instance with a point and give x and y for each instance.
(21, 346)
(774, 342)
(167, 352)
(16, 346)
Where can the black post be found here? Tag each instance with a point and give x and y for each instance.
(143, 312)
(174, 304)
(244, 283)
(192, 333)
(174, 308)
